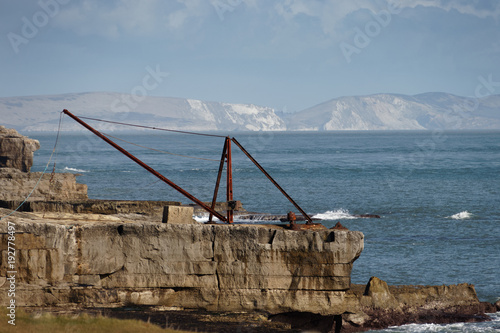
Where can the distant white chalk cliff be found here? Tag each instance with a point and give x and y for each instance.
(41, 113)
(400, 112)
(373, 112)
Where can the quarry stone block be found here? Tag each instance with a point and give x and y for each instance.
(178, 215)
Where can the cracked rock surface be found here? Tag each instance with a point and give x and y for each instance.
(16, 150)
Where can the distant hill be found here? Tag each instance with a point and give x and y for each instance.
(373, 112)
(41, 113)
(399, 112)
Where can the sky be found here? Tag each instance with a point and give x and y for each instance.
(288, 55)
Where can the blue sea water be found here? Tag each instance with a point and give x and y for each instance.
(438, 193)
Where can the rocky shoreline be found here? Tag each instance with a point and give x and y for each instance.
(197, 320)
(150, 260)
(90, 281)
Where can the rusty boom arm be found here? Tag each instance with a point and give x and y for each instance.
(147, 167)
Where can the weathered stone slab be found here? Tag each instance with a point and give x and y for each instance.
(99, 249)
(16, 186)
(203, 266)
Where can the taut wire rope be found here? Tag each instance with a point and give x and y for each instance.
(152, 127)
(158, 150)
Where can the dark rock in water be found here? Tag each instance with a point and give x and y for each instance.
(372, 216)
(16, 150)
(381, 305)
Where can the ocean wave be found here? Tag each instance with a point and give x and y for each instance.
(339, 214)
(203, 217)
(200, 218)
(460, 216)
(74, 169)
(488, 326)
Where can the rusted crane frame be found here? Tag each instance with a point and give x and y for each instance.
(145, 166)
(309, 220)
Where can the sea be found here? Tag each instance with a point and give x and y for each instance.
(437, 192)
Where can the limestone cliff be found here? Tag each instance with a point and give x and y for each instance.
(16, 150)
(302, 278)
(94, 259)
(16, 180)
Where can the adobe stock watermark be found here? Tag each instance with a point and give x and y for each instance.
(11, 271)
(486, 87)
(363, 37)
(31, 27)
(150, 81)
(223, 6)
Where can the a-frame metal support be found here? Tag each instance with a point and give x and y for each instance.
(225, 158)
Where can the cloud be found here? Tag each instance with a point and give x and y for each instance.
(116, 18)
(291, 8)
(191, 12)
(330, 14)
(119, 18)
(481, 9)
(333, 14)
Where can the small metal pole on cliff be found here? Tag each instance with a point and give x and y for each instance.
(229, 180)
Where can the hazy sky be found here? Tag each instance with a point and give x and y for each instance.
(288, 54)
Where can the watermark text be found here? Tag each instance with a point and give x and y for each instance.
(11, 272)
(32, 26)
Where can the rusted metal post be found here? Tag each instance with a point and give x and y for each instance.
(229, 181)
(309, 220)
(219, 174)
(145, 166)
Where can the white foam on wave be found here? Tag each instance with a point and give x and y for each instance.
(339, 214)
(486, 327)
(74, 169)
(417, 328)
(460, 216)
(202, 218)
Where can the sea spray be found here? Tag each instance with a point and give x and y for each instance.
(339, 214)
(461, 216)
